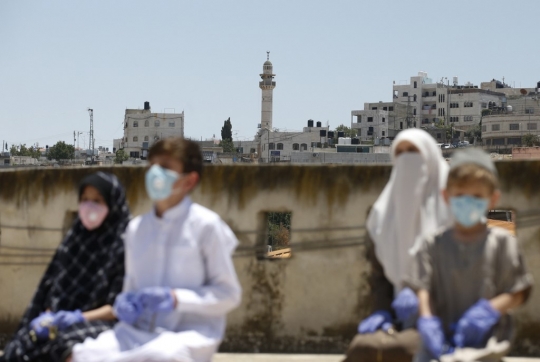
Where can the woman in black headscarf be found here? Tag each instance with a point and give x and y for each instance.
(74, 299)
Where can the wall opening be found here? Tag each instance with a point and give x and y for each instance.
(275, 235)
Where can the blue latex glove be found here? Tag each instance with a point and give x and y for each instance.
(41, 324)
(431, 332)
(64, 318)
(127, 307)
(475, 324)
(157, 299)
(405, 305)
(375, 321)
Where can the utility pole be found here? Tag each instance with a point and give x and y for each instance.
(91, 112)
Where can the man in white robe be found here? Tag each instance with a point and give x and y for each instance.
(180, 280)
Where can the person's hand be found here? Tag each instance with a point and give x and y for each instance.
(475, 324)
(157, 299)
(431, 332)
(40, 325)
(374, 322)
(405, 304)
(64, 318)
(127, 307)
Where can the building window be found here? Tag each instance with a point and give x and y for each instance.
(370, 131)
(495, 127)
(414, 112)
(483, 128)
(171, 123)
(484, 105)
(383, 133)
(296, 147)
(370, 119)
(513, 126)
(439, 135)
(373, 108)
(146, 138)
(146, 123)
(303, 147)
(531, 126)
(135, 139)
(383, 119)
(513, 141)
(390, 109)
(358, 119)
(414, 97)
(384, 108)
(529, 110)
(271, 146)
(135, 123)
(280, 146)
(434, 93)
(454, 119)
(467, 104)
(405, 94)
(468, 118)
(134, 154)
(498, 142)
(400, 125)
(414, 84)
(454, 105)
(156, 123)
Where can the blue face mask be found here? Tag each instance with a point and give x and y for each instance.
(159, 182)
(468, 210)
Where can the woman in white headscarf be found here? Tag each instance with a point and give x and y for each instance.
(410, 206)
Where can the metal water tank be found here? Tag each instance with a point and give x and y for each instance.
(310, 123)
(322, 133)
(355, 141)
(330, 134)
(341, 134)
(146, 106)
(319, 124)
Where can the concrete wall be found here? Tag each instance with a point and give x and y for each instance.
(310, 302)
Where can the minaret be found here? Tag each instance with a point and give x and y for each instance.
(267, 85)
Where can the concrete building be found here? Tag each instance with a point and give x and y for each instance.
(434, 103)
(142, 129)
(379, 120)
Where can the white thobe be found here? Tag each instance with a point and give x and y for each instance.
(190, 250)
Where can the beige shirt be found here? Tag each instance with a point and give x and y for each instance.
(458, 274)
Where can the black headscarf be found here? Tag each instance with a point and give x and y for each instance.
(87, 270)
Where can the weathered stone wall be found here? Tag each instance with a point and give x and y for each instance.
(311, 302)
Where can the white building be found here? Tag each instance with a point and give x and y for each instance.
(432, 103)
(382, 120)
(142, 129)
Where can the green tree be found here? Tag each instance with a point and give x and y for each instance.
(22, 150)
(530, 140)
(228, 146)
(121, 156)
(226, 130)
(349, 132)
(61, 151)
(474, 133)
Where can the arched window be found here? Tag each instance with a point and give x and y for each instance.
(146, 138)
(135, 139)
(414, 84)
(146, 123)
(135, 123)
(280, 146)
(303, 147)
(414, 97)
(271, 146)
(156, 123)
(414, 112)
(296, 147)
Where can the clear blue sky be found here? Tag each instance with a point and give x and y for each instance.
(204, 57)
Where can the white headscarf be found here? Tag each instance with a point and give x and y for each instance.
(411, 204)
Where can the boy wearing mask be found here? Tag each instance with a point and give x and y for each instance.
(180, 280)
(468, 277)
